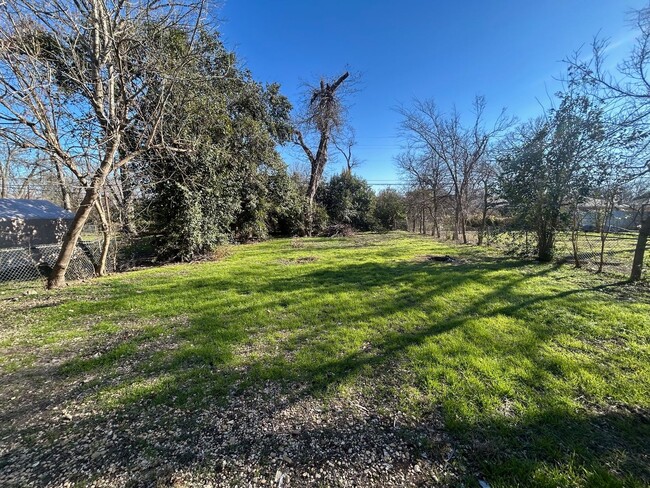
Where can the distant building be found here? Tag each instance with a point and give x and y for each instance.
(26, 223)
(624, 216)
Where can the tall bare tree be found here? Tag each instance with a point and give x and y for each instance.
(486, 179)
(74, 79)
(324, 116)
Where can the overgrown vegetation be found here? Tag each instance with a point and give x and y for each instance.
(539, 372)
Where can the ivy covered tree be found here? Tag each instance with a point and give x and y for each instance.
(229, 183)
(324, 116)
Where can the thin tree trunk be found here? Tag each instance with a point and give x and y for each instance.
(604, 230)
(100, 265)
(3, 186)
(63, 186)
(463, 227)
(574, 247)
(601, 261)
(574, 237)
(456, 221)
(484, 215)
(642, 241)
(435, 231)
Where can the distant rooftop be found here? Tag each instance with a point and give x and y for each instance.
(24, 209)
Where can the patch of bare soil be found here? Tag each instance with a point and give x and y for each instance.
(444, 259)
(302, 260)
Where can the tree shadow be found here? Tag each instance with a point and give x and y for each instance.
(187, 387)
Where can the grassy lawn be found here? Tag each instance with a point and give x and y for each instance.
(485, 368)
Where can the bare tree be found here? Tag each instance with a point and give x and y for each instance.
(74, 79)
(627, 95)
(344, 144)
(460, 148)
(17, 170)
(487, 178)
(426, 172)
(324, 116)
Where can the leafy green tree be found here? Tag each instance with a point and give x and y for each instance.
(552, 163)
(390, 210)
(350, 200)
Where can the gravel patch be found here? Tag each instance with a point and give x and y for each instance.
(268, 435)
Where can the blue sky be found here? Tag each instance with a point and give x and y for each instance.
(507, 50)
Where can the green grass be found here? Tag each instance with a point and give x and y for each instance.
(540, 372)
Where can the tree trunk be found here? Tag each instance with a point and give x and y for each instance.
(601, 260)
(605, 228)
(71, 237)
(574, 237)
(463, 227)
(484, 215)
(641, 243)
(317, 167)
(100, 265)
(63, 186)
(57, 277)
(545, 242)
(574, 247)
(3, 182)
(435, 231)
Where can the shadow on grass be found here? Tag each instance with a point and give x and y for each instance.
(216, 338)
(559, 447)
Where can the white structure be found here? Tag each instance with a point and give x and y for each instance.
(26, 223)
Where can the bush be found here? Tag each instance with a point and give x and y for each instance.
(349, 200)
(390, 210)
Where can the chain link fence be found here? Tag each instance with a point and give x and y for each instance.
(33, 263)
(610, 252)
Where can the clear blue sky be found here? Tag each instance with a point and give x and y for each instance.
(507, 50)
